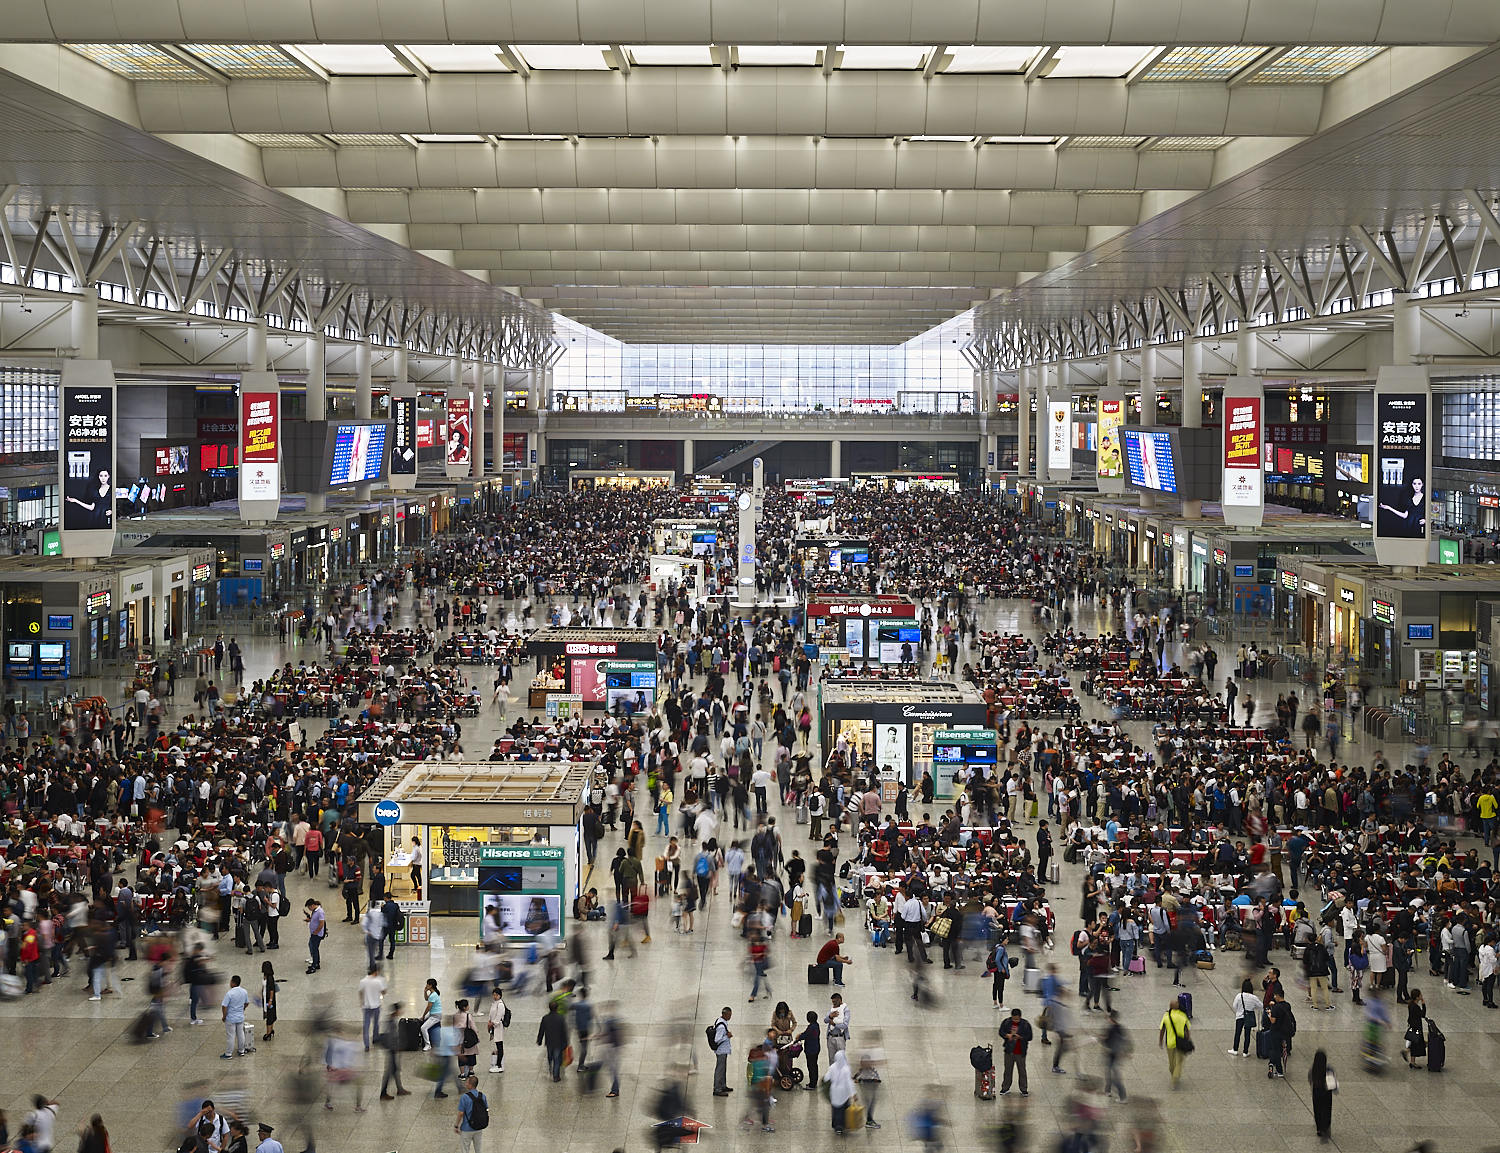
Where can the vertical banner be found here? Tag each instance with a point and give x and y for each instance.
(404, 436)
(1109, 472)
(1243, 495)
(1403, 401)
(1059, 438)
(458, 453)
(86, 452)
(260, 446)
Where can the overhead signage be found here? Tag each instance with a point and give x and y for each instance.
(1220, 557)
(591, 648)
(1486, 501)
(278, 550)
(1313, 587)
(1059, 439)
(1289, 580)
(1297, 433)
(88, 450)
(1401, 448)
(97, 602)
(260, 446)
(404, 446)
(1383, 611)
(861, 609)
(201, 573)
(460, 432)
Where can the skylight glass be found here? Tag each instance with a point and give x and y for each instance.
(1187, 143)
(250, 61)
(898, 56)
(1101, 61)
(989, 59)
(1021, 140)
(436, 138)
(459, 57)
(1105, 141)
(565, 57)
(138, 61)
(1187, 63)
(354, 59)
(931, 139)
(671, 55)
(282, 140)
(1312, 65)
(772, 54)
(365, 140)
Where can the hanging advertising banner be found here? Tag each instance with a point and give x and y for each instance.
(86, 445)
(459, 445)
(260, 446)
(404, 443)
(1243, 495)
(1401, 449)
(1109, 467)
(1059, 439)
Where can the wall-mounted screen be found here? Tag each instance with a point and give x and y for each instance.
(357, 453)
(1352, 466)
(1419, 632)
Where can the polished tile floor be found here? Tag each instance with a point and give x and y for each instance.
(78, 1051)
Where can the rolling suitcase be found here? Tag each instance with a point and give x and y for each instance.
(805, 925)
(817, 974)
(1263, 1044)
(1437, 1048)
(1054, 873)
(984, 1083)
(1031, 980)
(408, 1035)
(802, 814)
(1185, 1003)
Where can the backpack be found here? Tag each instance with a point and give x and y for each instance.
(1074, 946)
(479, 1110)
(982, 1057)
(505, 1020)
(701, 866)
(711, 1032)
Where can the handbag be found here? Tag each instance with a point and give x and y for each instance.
(568, 1056)
(941, 927)
(854, 1115)
(1184, 1042)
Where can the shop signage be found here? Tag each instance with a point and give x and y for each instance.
(1383, 611)
(201, 573)
(591, 648)
(530, 853)
(1297, 433)
(97, 602)
(299, 539)
(1488, 501)
(178, 575)
(861, 609)
(460, 854)
(88, 451)
(1200, 549)
(1289, 580)
(1347, 596)
(1150, 533)
(387, 813)
(137, 587)
(1242, 451)
(1313, 587)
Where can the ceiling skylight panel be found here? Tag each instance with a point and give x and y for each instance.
(354, 59)
(564, 57)
(1104, 61)
(1314, 65)
(459, 57)
(1215, 63)
(139, 61)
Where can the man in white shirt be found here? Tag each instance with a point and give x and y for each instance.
(43, 1119)
(912, 920)
(232, 1012)
(371, 993)
(760, 781)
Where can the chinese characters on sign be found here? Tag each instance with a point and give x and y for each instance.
(1401, 446)
(260, 446)
(1242, 455)
(88, 450)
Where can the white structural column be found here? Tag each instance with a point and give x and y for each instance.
(255, 343)
(1246, 350)
(835, 458)
(1025, 387)
(364, 400)
(315, 403)
(496, 390)
(687, 460)
(1192, 406)
(476, 406)
(1406, 329)
(84, 314)
(1148, 404)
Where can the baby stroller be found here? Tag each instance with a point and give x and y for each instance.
(788, 1076)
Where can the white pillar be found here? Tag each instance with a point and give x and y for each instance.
(836, 458)
(497, 417)
(1025, 386)
(364, 401)
(316, 405)
(1246, 348)
(255, 343)
(84, 314)
(1148, 404)
(1406, 330)
(687, 461)
(1192, 384)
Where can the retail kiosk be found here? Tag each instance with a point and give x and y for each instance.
(899, 723)
(871, 628)
(469, 817)
(574, 661)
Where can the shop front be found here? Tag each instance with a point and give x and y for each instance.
(575, 662)
(1346, 622)
(500, 834)
(136, 610)
(297, 558)
(1198, 571)
(1315, 616)
(318, 570)
(1380, 648)
(898, 725)
(872, 629)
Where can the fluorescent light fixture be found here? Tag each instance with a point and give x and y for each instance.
(282, 140)
(1019, 139)
(460, 57)
(354, 59)
(438, 138)
(1098, 61)
(564, 57)
(907, 57)
(671, 55)
(930, 139)
(1003, 59)
(777, 54)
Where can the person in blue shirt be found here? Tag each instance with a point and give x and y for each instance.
(469, 1137)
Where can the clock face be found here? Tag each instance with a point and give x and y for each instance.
(744, 500)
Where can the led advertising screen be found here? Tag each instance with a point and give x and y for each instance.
(1149, 459)
(892, 637)
(1401, 454)
(88, 416)
(404, 438)
(358, 454)
(629, 686)
(1350, 466)
(1059, 435)
(1111, 417)
(1242, 456)
(260, 445)
(460, 431)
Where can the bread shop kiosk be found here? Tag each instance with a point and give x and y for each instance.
(470, 818)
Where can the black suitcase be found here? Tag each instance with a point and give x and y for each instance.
(805, 926)
(1263, 1044)
(817, 974)
(1437, 1049)
(408, 1035)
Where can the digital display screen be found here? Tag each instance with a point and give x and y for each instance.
(1419, 632)
(1350, 466)
(705, 538)
(97, 602)
(500, 878)
(1149, 459)
(51, 653)
(358, 454)
(63, 624)
(859, 558)
(949, 754)
(1244, 571)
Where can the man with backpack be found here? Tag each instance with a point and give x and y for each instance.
(473, 1116)
(720, 1041)
(1315, 967)
(1283, 1029)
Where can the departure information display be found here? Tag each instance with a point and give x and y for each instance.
(358, 454)
(1149, 458)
